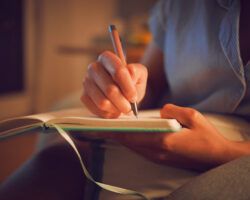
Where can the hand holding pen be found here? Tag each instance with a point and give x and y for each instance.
(117, 45)
(111, 85)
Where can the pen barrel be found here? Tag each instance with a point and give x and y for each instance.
(116, 42)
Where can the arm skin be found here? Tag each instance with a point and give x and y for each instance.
(153, 60)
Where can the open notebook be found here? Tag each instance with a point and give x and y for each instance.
(81, 120)
(149, 121)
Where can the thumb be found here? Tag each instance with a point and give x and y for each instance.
(186, 116)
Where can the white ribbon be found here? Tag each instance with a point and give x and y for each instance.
(104, 186)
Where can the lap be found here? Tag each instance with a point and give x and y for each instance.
(124, 168)
(230, 181)
(119, 166)
(55, 173)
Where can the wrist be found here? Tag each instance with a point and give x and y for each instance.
(236, 149)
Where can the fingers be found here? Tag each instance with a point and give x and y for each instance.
(119, 74)
(98, 98)
(112, 87)
(107, 87)
(95, 110)
(186, 116)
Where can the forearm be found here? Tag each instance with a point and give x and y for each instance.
(230, 150)
(157, 83)
(237, 149)
(149, 100)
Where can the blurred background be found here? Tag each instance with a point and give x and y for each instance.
(45, 48)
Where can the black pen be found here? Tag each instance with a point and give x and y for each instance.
(119, 52)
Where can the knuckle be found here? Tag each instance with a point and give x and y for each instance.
(132, 67)
(120, 72)
(103, 104)
(193, 114)
(168, 106)
(112, 91)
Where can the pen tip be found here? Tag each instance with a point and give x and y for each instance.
(134, 109)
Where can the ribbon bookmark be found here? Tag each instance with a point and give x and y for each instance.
(104, 186)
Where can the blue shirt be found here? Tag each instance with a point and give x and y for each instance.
(200, 42)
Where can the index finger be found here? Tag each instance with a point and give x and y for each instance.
(120, 74)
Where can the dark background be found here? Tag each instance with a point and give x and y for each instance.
(11, 46)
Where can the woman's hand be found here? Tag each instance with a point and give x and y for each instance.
(197, 146)
(109, 87)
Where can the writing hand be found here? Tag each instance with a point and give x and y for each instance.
(109, 87)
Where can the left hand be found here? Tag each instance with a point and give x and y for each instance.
(197, 146)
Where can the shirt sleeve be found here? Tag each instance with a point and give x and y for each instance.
(157, 22)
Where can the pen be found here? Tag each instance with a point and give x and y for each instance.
(116, 42)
